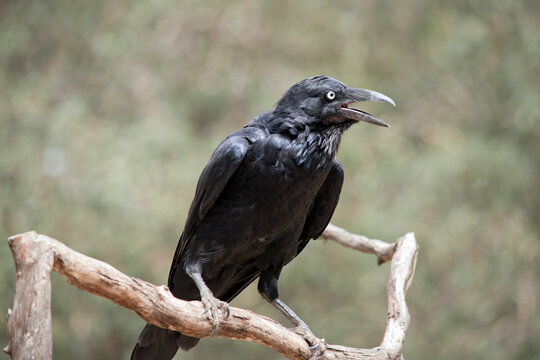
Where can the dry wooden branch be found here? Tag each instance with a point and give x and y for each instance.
(383, 250)
(35, 255)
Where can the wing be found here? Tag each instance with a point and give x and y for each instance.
(324, 205)
(214, 177)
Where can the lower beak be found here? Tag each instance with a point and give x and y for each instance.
(359, 95)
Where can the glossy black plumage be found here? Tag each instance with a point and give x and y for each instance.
(267, 190)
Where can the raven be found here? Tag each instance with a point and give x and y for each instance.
(268, 189)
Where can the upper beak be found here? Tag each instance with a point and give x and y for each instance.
(358, 95)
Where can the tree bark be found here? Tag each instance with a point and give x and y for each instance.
(35, 255)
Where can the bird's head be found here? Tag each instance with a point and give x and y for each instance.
(326, 100)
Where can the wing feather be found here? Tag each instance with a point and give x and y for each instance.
(220, 168)
(323, 207)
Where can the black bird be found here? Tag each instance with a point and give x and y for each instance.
(268, 189)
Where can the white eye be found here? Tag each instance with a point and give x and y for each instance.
(330, 95)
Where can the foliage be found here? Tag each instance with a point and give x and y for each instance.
(110, 109)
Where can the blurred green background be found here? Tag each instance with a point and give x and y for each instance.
(110, 109)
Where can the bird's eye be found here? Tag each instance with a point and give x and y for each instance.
(330, 95)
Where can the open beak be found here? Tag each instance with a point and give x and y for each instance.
(358, 95)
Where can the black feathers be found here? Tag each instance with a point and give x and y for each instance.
(267, 190)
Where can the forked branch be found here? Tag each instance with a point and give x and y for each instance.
(35, 255)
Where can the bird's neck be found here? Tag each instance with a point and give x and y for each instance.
(312, 145)
(316, 150)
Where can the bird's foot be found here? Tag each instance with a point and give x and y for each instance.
(316, 345)
(212, 308)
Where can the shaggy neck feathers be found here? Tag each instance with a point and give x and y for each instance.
(313, 144)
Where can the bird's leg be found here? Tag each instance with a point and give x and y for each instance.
(269, 291)
(317, 346)
(211, 304)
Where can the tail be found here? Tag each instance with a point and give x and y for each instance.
(156, 343)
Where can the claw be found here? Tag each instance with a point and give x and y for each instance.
(318, 349)
(212, 307)
(317, 346)
(211, 304)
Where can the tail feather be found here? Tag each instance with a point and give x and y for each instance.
(156, 343)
